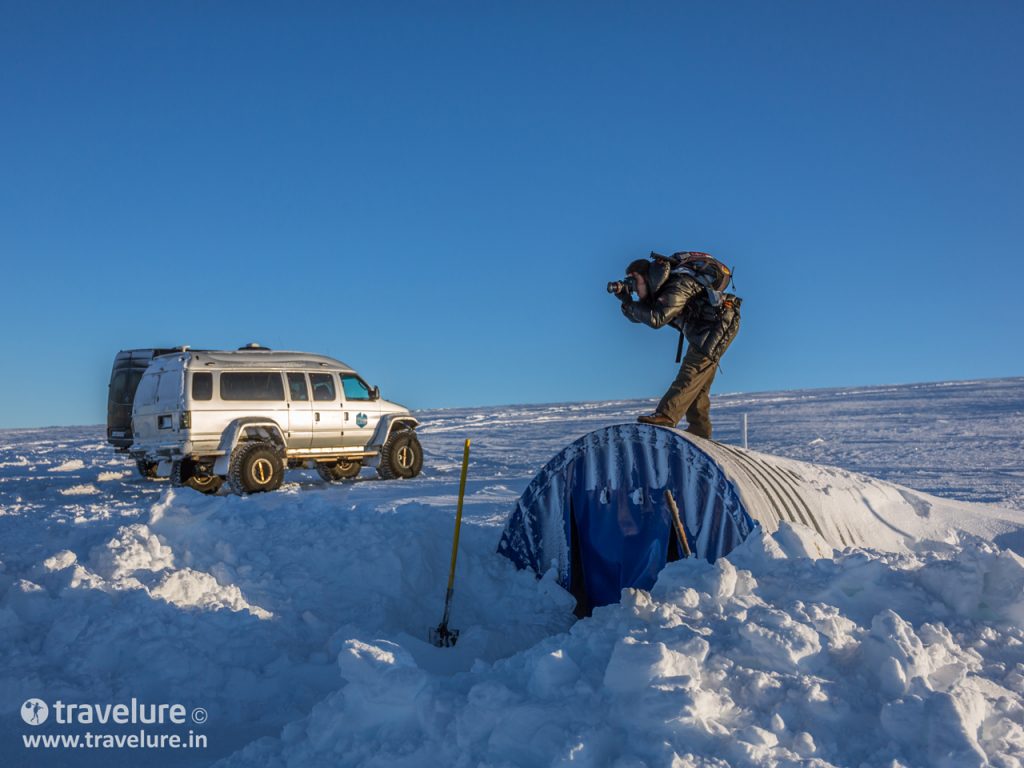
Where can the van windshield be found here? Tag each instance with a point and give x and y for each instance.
(355, 388)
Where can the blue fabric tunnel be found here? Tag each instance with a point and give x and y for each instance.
(597, 512)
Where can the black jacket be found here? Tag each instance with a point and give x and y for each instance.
(677, 299)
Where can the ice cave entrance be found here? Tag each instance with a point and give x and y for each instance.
(597, 511)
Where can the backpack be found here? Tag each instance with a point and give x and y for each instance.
(708, 271)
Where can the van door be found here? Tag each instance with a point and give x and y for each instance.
(145, 408)
(124, 381)
(159, 402)
(129, 366)
(328, 422)
(362, 413)
(300, 412)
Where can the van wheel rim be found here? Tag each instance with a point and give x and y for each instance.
(405, 457)
(262, 471)
(203, 481)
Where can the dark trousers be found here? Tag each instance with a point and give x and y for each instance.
(689, 393)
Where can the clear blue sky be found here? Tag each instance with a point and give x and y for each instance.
(437, 193)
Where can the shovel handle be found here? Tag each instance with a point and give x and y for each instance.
(458, 520)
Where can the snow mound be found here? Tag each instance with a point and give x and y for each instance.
(201, 590)
(136, 559)
(768, 657)
(133, 549)
(105, 477)
(71, 465)
(84, 489)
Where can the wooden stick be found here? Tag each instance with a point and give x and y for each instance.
(680, 531)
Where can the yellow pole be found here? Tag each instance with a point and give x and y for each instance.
(458, 516)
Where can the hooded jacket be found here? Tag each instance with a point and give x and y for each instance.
(679, 300)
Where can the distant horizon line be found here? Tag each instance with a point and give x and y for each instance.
(621, 400)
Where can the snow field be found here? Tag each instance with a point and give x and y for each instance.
(299, 618)
(768, 657)
(244, 611)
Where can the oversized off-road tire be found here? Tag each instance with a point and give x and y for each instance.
(183, 473)
(345, 469)
(147, 468)
(255, 467)
(401, 456)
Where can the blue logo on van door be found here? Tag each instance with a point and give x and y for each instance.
(361, 419)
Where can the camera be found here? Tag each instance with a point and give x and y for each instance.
(628, 284)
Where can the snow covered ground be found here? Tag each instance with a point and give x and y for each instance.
(297, 620)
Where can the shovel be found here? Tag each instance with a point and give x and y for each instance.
(441, 636)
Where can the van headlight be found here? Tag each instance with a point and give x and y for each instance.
(186, 420)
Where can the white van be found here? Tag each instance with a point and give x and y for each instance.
(205, 417)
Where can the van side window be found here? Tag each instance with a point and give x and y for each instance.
(251, 385)
(323, 386)
(297, 387)
(354, 387)
(202, 386)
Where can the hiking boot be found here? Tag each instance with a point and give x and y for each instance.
(657, 419)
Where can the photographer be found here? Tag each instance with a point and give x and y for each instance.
(687, 291)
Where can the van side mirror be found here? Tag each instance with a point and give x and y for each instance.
(375, 393)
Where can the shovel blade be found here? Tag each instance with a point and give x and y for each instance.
(443, 637)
